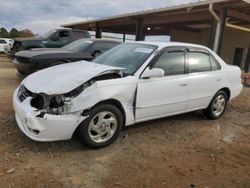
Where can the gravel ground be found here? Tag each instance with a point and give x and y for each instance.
(182, 151)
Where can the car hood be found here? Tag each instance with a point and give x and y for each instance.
(43, 52)
(64, 78)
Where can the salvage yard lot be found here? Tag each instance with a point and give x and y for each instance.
(181, 151)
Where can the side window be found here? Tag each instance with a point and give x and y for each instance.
(198, 62)
(214, 63)
(63, 35)
(3, 42)
(172, 62)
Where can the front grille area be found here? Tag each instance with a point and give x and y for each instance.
(23, 93)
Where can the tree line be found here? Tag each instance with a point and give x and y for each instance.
(14, 33)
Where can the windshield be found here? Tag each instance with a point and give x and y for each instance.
(48, 34)
(129, 56)
(78, 45)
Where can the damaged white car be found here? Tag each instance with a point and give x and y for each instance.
(134, 82)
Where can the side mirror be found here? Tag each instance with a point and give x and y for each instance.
(154, 72)
(55, 38)
(96, 52)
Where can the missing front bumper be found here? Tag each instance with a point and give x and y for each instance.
(46, 128)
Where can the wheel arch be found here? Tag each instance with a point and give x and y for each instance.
(227, 91)
(117, 104)
(114, 102)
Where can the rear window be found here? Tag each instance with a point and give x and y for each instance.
(214, 63)
(80, 34)
(80, 45)
(104, 46)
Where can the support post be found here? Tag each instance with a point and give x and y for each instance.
(139, 35)
(98, 33)
(223, 23)
(124, 37)
(212, 33)
(247, 61)
(215, 29)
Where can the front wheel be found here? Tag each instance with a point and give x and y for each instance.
(217, 106)
(102, 126)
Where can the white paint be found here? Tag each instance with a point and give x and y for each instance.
(64, 78)
(2, 45)
(155, 97)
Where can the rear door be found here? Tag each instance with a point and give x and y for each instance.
(204, 76)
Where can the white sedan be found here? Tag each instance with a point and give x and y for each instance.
(4, 42)
(134, 82)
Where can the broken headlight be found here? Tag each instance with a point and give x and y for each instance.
(57, 104)
(56, 101)
(49, 104)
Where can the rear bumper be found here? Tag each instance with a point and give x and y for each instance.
(46, 128)
(236, 90)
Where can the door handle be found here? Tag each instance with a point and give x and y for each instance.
(183, 85)
(218, 79)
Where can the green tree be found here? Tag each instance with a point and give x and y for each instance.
(14, 33)
(25, 33)
(4, 33)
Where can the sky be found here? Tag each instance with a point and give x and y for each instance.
(42, 15)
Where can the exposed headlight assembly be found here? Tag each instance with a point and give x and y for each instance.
(49, 104)
(56, 101)
(57, 104)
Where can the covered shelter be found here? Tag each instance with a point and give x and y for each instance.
(222, 25)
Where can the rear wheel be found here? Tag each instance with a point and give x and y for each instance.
(217, 106)
(102, 126)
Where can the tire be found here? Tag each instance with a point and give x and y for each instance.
(102, 127)
(217, 106)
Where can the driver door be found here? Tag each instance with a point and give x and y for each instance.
(167, 95)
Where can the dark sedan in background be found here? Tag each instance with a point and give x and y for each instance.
(32, 60)
(55, 38)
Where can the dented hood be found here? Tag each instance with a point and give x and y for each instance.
(64, 78)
